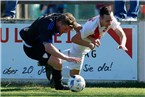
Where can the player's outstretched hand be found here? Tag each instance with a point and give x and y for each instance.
(97, 42)
(122, 47)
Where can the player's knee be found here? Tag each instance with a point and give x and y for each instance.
(59, 64)
(55, 63)
(67, 72)
(74, 72)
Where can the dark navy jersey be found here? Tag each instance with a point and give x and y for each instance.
(41, 30)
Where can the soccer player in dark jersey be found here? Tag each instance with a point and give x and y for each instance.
(38, 38)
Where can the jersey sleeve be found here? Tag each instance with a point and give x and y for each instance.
(115, 24)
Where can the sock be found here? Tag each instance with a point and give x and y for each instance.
(56, 74)
(66, 72)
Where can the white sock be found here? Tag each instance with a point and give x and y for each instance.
(66, 72)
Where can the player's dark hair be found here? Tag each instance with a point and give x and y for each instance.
(105, 11)
(67, 18)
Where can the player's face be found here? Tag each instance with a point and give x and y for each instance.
(64, 28)
(106, 20)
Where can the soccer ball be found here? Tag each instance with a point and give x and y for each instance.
(76, 83)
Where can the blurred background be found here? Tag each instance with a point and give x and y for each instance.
(80, 11)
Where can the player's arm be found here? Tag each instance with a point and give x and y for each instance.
(78, 40)
(50, 48)
(123, 38)
(94, 41)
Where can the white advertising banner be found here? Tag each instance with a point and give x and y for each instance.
(103, 63)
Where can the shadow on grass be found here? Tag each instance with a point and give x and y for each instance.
(131, 84)
(6, 90)
(118, 84)
(17, 89)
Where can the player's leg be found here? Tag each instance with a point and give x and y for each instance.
(74, 72)
(68, 72)
(76, 68)
(71, 68)
(38, 53)
(56, 63)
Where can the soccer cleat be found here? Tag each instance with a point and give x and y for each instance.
(57, 80)
(65, 87)
(58, 87)
(62, 87)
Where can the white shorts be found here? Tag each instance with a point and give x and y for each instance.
(73, 65)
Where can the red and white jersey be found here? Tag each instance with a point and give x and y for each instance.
(93, 28)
